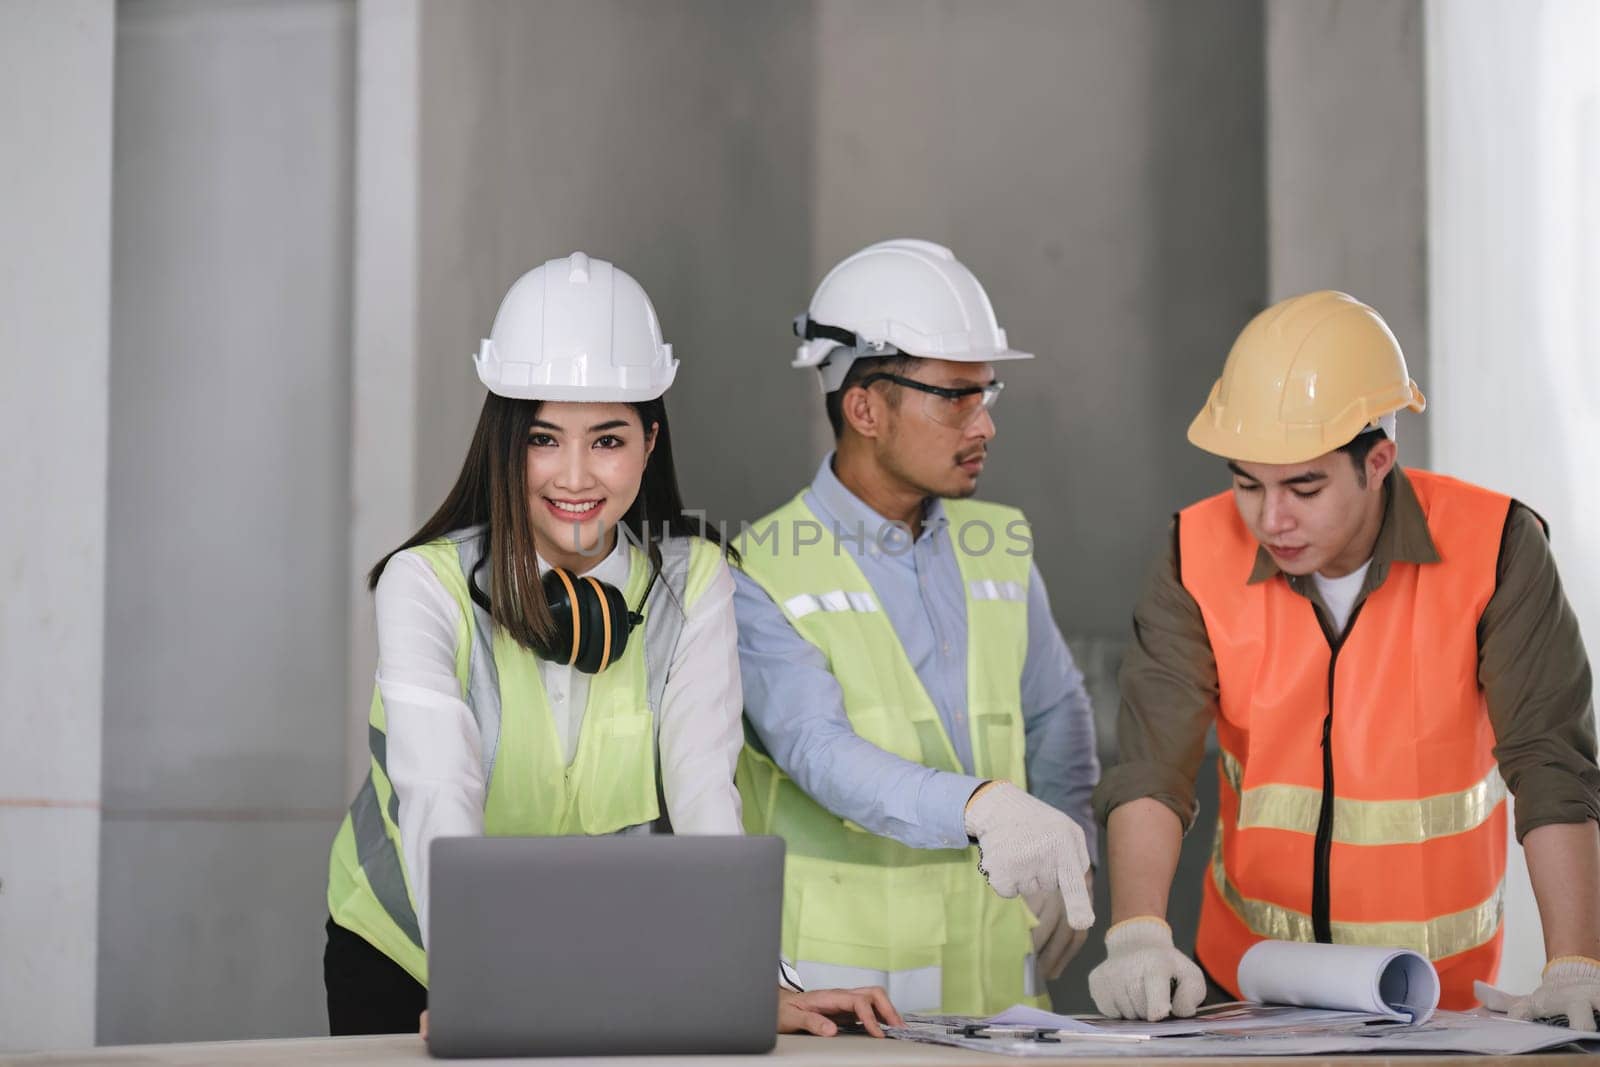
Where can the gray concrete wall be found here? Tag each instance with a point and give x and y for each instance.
(1099, 166)
(55, 273)
(673, 139)
(1110, 169)
(228, 515)
(1347, 166)
(1103, 176)
(1132, 179)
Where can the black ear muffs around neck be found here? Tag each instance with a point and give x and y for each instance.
(591, 619)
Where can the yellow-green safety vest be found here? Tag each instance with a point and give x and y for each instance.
(860, 907)
(611, 786)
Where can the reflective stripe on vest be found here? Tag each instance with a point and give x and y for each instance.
(864, 909)
(1360, 799)
(613, 785)
(1364, 822)
(798, 607)
(989, 589)
(1438, 938)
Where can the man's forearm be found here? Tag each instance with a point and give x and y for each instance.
(1564, 867)
(1143, 841)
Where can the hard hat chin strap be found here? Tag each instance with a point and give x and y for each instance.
(836, 364)
(808, 329)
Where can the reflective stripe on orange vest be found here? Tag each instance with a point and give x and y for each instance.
(1363, 822)
(1360, 799)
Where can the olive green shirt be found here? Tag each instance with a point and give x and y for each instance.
(1531, 665)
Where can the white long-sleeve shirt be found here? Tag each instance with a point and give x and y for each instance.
(434, 749)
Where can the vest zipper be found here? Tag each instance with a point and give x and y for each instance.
(1321, 863)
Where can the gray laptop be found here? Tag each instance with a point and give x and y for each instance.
(576, 946)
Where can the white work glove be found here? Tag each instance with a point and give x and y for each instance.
(1571, 988)
(1054, 941)
(1135, 981)
(1026, 846)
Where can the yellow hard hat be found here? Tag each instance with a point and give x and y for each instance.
(1305, 377)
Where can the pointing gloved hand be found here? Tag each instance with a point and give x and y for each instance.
(1135, 981)
(1026, 846)
(1054, 941)
(1571, 988)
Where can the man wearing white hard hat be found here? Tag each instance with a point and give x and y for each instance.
(1385, 655)
(907, 689)
(539, 673)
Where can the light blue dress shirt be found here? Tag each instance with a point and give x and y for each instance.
(797, 707)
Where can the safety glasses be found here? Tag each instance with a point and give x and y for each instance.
(955, 408)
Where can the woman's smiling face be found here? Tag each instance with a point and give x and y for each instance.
(585, 466)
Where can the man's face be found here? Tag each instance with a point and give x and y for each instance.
(935, 444)
(1313, 516)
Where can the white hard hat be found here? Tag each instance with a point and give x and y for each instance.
(576, 329)
(898, 297)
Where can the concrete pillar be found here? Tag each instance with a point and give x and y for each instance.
(226, 579)
(1347, 166)
(55, 306)
(385, 350)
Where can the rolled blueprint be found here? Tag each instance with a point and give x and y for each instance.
(1395, 982)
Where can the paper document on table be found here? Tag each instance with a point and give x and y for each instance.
(1233, 1018)
(1021, 1022)
(1315, 1000)
(1020, 1015)
(1249, 1030)
(1237, 1018)
(1394, 982)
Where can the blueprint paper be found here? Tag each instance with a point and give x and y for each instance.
(1445, 1032)
(1395, 982)
(1022, 1015)
(1241, 1018)
(1236, 1017)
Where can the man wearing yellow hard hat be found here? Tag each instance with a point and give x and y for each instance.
(1385, 654)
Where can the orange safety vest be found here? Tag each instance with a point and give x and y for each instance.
(1359, 801)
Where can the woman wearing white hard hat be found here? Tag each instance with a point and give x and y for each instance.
(522, 636)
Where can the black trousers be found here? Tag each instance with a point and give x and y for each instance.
(368, 993)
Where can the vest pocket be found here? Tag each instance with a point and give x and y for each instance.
(1001, 755)
(618, 787)
(872, 924)
(624, 726)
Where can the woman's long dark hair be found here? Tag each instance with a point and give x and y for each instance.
(491, 491)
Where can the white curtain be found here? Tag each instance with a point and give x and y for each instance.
(1514, 291)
